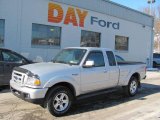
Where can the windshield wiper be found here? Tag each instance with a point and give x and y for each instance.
(60, 62)
(70, 63)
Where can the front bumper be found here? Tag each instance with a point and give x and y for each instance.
(35, 96)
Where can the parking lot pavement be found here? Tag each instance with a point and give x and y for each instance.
(114, 106)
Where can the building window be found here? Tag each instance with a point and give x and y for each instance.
(45, 35)
(2, 24)
(90, 39)
(121, 43)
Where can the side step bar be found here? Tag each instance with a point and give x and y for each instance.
(92, 94)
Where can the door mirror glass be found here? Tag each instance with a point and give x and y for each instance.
(88, 64)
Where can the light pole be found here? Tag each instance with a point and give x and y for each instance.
(150, 2)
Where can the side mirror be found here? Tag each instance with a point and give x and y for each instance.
(21, 61)
(88, 64)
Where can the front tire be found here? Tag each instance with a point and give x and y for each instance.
(132, 88)
(60, 101)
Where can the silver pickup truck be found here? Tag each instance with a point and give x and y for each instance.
(73, 73)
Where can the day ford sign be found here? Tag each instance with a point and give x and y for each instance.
(76, 16)
(104, 23)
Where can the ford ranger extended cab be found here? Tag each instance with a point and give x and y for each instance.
(74, 72)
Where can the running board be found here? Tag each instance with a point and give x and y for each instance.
(92, 94)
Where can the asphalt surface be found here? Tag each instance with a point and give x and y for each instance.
(113, 106)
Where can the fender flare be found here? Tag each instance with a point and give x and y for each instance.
(64, 79)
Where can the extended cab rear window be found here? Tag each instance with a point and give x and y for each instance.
(111, 58)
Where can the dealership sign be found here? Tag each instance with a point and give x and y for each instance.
(76, 17)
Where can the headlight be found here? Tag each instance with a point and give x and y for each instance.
(33, 81)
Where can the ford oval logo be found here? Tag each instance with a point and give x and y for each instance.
(15, 77)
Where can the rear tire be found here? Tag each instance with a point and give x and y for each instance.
(60, 101)
(132, 88)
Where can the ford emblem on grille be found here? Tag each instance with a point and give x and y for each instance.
(15, 77)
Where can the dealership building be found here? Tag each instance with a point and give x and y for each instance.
(38, 29)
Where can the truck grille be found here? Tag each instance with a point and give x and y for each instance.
(18, 77)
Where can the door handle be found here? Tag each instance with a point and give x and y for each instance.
(105, 71)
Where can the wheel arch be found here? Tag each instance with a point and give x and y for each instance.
(64, 84)
(138, 77)
(154, 61)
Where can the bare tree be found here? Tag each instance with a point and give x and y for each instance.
(155, 44)
(155, 12)
(157, 26)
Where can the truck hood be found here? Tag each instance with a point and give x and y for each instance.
(46, 68)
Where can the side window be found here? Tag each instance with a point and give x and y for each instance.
(90, 39)
(97, 57)
(121, 43)
(156, 55)
(46, 35)
(111, 58)
(11, 57)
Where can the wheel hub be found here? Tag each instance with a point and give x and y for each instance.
(133, 87)
(61, 102)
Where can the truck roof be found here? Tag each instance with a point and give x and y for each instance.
(90, 48)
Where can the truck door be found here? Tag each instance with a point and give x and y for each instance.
(10, 60)
(113, 69)
(94, 78)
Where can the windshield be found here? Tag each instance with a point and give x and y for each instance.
(70, 56)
